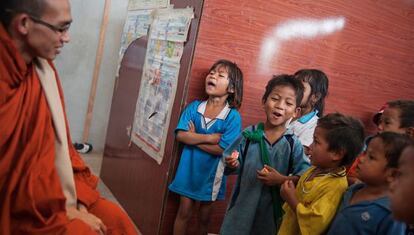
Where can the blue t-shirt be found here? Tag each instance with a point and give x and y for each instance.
(364, 218)
(250, 210)
(200, 175)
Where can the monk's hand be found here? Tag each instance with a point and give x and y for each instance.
(270, 176)
(94, 222)
(82, 207)
(288, 194)
(232, 161)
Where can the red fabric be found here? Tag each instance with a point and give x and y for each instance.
(352, 169)
(31, 197)
(116, 221)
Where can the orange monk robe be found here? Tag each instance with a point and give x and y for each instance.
(31, 196)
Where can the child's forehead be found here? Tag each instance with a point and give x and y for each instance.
(220, 68)
(320, 131)
(393, 112)
(285, 89)
(376, 143)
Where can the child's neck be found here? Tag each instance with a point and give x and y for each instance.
(323, 171)
(273, 133)
(214, 106)
(217, 101)
(370, 192)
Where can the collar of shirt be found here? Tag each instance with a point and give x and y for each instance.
(305, 118)
(222, 115)
(383, 202)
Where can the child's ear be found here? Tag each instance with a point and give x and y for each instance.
(297, 112)
(338, 155)
(391, 173)
(230, 90)
(410, 132)
(315, 98)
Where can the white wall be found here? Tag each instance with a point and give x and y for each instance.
(76, 64)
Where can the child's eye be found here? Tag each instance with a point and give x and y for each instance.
(289, 104)
(274, 98)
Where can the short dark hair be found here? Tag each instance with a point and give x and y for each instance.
(9, 8)
(319, 84)
(394, 144)
(406, 108)
(235, 81)
(284, 80)
(343, 133)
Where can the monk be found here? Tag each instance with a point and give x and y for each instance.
(45, 187)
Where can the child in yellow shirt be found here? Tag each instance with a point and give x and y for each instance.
(311, 206)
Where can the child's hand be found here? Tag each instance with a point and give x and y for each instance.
(215, 138)
(191, 126)
(232, 160)
(288, 193)
(270, 176)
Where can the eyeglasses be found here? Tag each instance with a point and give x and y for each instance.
(57, 29)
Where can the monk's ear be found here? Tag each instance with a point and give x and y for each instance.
(22, 23)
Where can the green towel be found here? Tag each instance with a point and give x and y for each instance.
(257, 136)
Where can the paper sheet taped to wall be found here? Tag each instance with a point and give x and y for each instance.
(168, 32)
(147, 4)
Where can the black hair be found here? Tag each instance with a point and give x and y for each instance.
(284, 80)
(406, 108)
(319, 84)
(394, 144)
(235, 76)
(9, 8)
(343, 133)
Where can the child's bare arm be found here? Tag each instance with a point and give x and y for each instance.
(190, 137)
(214, 149)
(270, 176)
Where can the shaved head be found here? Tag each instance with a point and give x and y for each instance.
(9, 8)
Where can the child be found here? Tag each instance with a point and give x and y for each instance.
(352, 174)
(269, 155)
(316, 86)
(312, 205)
(398, 117)
(365, 207)
(395, 116)
(402, 187)
(206, 128)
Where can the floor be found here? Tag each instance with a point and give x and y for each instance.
(94, 161)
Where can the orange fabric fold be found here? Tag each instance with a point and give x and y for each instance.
(31, 197)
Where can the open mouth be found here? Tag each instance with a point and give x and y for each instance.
(210, 83)
(276, 114)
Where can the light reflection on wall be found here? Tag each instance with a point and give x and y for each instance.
(293, 29)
